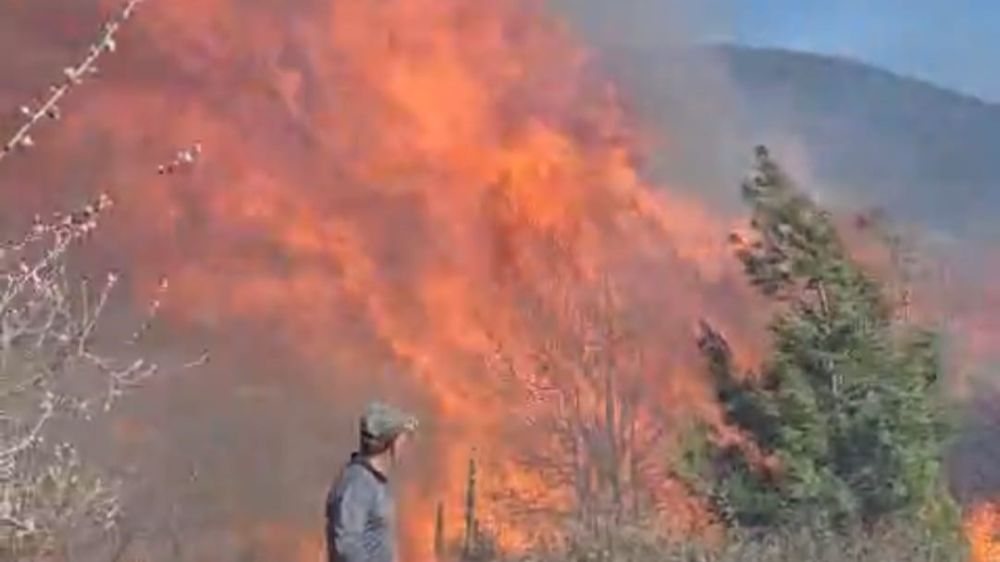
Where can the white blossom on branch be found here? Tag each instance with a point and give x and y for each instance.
(49, 371)
(48, 108)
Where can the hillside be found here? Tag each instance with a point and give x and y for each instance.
(926, 153)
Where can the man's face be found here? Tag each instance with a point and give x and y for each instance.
(399, 445)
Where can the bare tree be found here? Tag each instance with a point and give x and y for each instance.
(53, 376)
(585, 378)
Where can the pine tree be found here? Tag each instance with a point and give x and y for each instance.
(849, 402)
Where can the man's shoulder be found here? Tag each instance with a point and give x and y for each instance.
(351, 477)
(357, 472)
(353, 470)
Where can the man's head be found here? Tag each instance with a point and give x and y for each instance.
(382, 426)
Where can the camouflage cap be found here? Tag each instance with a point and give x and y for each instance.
(382, 422)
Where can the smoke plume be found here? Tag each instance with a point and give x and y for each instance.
(452, 204)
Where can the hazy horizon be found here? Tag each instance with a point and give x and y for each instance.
(903, 37)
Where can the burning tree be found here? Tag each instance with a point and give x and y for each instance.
(603, 454)
(849, 402)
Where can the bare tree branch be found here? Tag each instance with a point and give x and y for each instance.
(72, 77)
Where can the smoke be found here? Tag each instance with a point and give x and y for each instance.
(856, 138)
(678, 89)
(422, 200)
(417, 199)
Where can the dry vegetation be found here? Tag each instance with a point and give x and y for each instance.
(55, 377)
(52, 374)
(889, 545)
(627, 542)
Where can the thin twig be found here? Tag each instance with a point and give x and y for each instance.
(73, 76)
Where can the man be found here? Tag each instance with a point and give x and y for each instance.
(360, 511)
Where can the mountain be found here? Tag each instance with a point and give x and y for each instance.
(873, 138)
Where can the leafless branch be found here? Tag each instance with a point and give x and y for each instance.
(72, 76)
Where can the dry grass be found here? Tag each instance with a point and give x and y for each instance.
(891, 545)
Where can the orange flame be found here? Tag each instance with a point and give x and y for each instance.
(982, 529)
(442, 189)
(429, 187)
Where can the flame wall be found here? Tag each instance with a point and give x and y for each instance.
(393, 186)
(394, 192)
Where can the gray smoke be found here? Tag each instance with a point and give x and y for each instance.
(679, 92)
(854, 136)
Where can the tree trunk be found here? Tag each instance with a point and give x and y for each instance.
(439, 539)
(470, 510)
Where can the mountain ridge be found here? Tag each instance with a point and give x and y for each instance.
(869, 137)
(846, 61)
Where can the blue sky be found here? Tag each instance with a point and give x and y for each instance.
(954, 43)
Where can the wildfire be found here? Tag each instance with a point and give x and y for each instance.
(982, 528)
(447, 190)
(443, 189)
